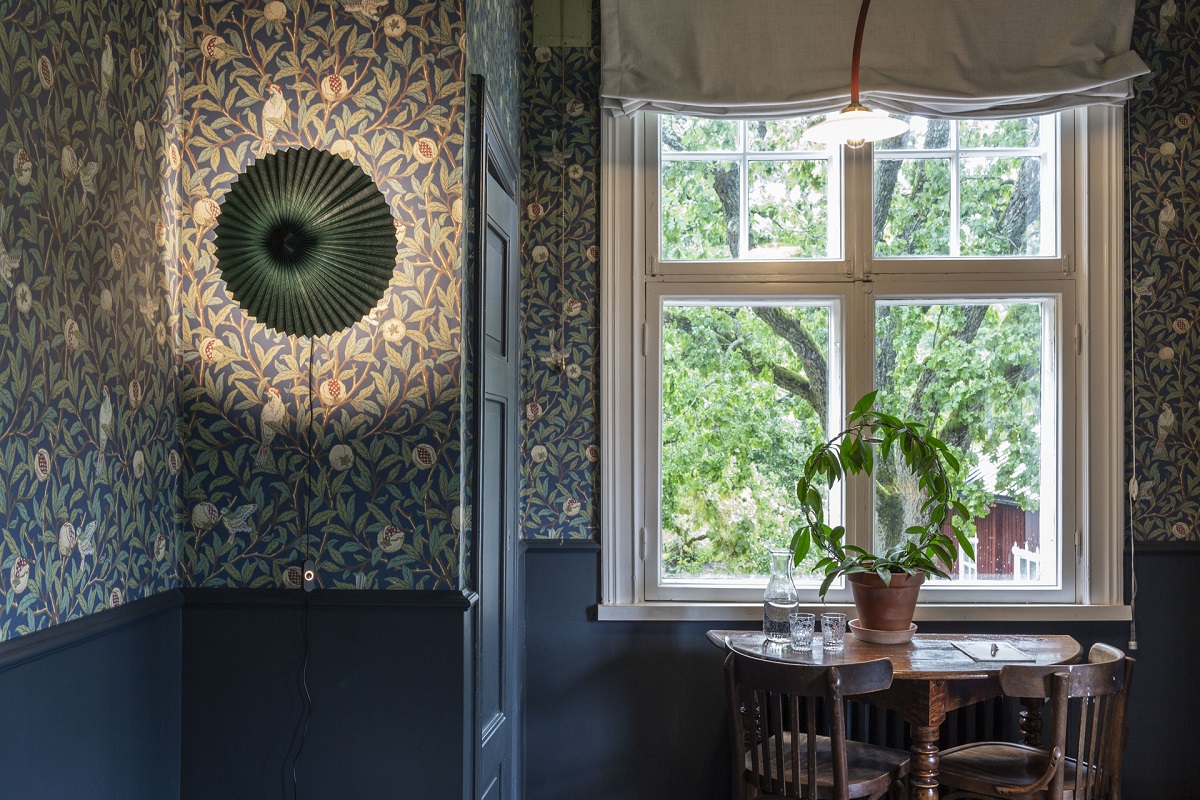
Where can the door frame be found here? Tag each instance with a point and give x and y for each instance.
(488, 154)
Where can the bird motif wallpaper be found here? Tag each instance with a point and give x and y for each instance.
(560, 301)
(152, 434)
(560, 134)
(1162, 381)
(494, 51)
(89, 453)
(345, 448)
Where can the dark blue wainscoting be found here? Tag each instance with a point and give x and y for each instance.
(90, 708)
(388, 673)
(635, 710)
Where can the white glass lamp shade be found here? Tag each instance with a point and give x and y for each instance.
(855, 125)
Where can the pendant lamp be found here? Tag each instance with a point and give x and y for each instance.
(855, 125)
(306, 242)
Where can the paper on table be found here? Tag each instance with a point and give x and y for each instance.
(993, 651)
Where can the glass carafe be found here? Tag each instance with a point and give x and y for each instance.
(780, 599)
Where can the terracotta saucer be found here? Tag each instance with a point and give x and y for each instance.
(882, 637)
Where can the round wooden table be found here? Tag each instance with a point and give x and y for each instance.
(930, 677)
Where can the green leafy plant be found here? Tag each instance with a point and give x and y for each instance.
(924, 547)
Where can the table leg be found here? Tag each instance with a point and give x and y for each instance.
(924, 762)
(1031, 720)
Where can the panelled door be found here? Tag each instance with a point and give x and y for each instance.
(496, 680)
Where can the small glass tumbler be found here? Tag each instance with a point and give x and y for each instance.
(833, 631)
(802, 630)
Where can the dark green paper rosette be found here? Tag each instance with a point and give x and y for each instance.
(306, 242)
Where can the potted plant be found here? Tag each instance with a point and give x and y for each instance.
(885, 585)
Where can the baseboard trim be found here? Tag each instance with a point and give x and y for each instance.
(332, 599)
(39, 644)
(561, 545)
(1159, 548)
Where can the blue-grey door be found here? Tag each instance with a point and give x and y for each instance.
(498, 615)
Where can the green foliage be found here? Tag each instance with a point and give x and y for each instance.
(970, 373)
(925, 547)
(999, 209)
(731, 439)
(786, 198)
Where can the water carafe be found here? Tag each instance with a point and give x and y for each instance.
(780, 599)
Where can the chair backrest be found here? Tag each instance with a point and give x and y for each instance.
(768, 699)
(1096, 693)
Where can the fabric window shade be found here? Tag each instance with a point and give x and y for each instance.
(932, 58)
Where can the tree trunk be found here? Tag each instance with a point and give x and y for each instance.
(727, 185)
(1023, 209)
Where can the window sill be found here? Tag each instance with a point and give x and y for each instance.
(926, 612)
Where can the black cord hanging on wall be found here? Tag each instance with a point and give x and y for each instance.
(306, 242)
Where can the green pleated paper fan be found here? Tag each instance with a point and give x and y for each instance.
(305, 242)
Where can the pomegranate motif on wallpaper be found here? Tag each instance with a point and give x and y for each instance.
(379, 411)
(560, 288)
(1162, 394)
(87, 389)
(560, 127)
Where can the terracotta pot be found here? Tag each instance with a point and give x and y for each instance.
(885, 608)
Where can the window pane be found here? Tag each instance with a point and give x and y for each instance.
(912, 207)
(1001, 206)
(744, 400)
(761, 194)
(701, 209)
(695, 135)
(979, 374)
(780, 135)
(922, 134)
(1020, 132)
(958, 201)
(788, 209)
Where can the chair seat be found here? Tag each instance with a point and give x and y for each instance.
(979, 767)
(871, 771)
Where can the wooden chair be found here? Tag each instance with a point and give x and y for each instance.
(777, 751)
(1096, 692)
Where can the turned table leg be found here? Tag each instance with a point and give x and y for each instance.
(1031, 720)
(924, 762)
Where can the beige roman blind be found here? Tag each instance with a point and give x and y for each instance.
(932, 58)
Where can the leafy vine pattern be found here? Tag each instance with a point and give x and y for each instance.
(344, 448)
(1163, 293)
(89, 453)
(560, 126)
(132, 389)
(560, 293)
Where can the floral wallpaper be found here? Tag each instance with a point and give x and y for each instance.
(560, 304)
(88, 368)
(346, 447)
(1163, 379)
(148, 428)
(494, 51)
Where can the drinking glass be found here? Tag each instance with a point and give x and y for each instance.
(833, 630)
(802, 630)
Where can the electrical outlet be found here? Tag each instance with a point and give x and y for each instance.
(310, 575)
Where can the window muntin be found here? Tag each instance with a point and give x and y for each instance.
(630, 217)
(745, 190)
(983, 189)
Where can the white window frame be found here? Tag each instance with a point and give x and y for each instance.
(1091, 346)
